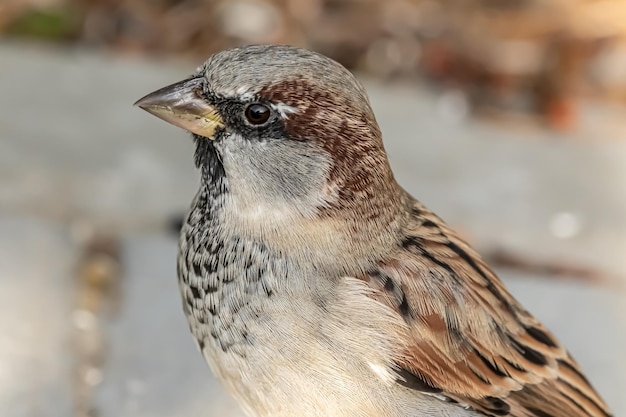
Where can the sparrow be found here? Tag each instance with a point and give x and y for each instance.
(314, 285)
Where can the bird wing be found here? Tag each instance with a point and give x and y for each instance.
(468, 340)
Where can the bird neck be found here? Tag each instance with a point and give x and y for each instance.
(369, 228)
(356, 229)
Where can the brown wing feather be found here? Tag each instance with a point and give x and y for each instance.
(471, 340)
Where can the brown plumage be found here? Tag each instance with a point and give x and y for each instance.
(316, 286)
(477, 346)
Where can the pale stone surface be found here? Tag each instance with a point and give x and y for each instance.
(36, 291)
(154, 368)
(74, 150)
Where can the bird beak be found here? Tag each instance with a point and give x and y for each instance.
(183, 105)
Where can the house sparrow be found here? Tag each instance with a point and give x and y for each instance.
(315, 285)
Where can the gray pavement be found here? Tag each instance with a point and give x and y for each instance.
(75, 156)
(36, 294)
(154, 368)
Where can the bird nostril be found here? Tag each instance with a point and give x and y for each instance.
(198, 92)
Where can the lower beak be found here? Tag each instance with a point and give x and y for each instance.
(183, 105)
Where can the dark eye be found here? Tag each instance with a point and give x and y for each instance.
(257, 114)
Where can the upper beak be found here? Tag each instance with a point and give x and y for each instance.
(183, 105)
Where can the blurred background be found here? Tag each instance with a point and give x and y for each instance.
(506, 117)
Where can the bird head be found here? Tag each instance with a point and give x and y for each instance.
(293, 132)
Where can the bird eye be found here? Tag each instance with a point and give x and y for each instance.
(257, 114)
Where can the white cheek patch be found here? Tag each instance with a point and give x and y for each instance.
(283, 109)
